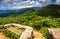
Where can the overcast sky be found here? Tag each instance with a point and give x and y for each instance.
(9, 4)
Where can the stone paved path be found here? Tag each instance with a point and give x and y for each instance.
(37, 35)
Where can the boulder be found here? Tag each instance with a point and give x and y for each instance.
(1, 26)
(53, 33)
(28, 32)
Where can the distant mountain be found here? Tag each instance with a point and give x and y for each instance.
(4, 13)
(11, 11)
(18, 10)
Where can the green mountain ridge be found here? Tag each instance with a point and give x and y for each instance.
(50, 10)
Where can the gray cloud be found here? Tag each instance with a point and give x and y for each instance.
(17, 4)
(58, 2)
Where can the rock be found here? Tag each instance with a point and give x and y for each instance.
(27, 34)
(1, 26)
(53, 33)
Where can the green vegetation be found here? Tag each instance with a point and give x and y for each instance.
(11, 34)
(47, 17)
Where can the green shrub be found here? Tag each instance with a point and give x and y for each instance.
(11, 34)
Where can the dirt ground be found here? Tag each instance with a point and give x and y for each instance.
(37, 35)
(3, 36)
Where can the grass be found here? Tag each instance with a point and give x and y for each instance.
(10, 34)
(15, 29)
(43, 31)
(4, 36)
